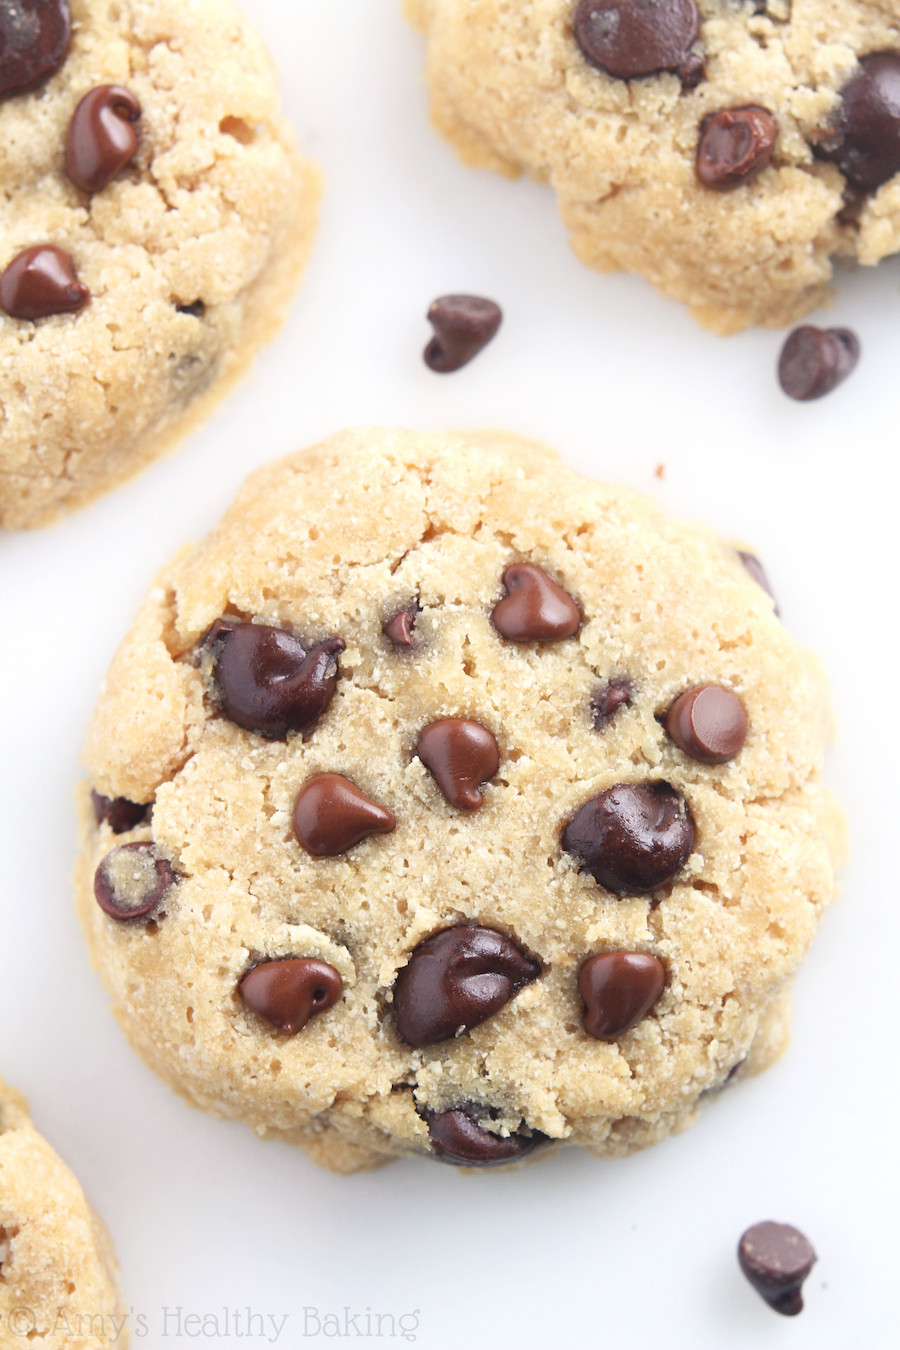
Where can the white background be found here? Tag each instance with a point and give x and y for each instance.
(575, 1251)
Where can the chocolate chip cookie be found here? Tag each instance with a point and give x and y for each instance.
(443, 802)
(727, 150)
(156, 218)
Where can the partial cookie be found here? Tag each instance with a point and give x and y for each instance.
(447, 803)
(726, 150)
(58, 1280)
(156, 219)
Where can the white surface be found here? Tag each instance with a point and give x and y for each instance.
(574, 1251)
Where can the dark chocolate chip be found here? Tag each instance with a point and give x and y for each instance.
(399, 629)
(118, 813)
(456, 980)
(267, 680)
(756, 570)
(633, 837)
(34, 42)
(708, 723)
(776, 1259)
(196, 309)
(461, 757)
(132, 881)
(463, 325)
(331, 814)
(814, 361)
(40, 282)
(102, 136)
(289, 992)
(864, 138)
(535, 608)
(458, 1138)
(619, 989)
(607, 701)
(632, 38)
(735, 145)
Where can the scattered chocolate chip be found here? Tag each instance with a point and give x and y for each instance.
(34, 42)
(331, 814)
(267, 680)
(776, 1259)
(633, 837)
(535, 608)
(458, 1138)
(756, 570)
(132, 881)
(708, 723)
(461, 757)
(102, 136)
(456, 980)
(631, 38)
(735, 145)
(289, 992)
(40, 282)
(864, 138)
(399, 629)
(118, 813)
(619, 989)
(607, 701)
(814, 361)
(196, 309)
(463, 325)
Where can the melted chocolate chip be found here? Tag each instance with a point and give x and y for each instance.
(735, 145)
(34, 42)
(456, 980)
(463, 326)
(399, 629)
(535, 608)
(607, 701)
(331, 814)
(289, 992)
(756, 570)
(776, 1259)
(118, 813)
(633, 837)
(814, 361)
(864, 139)
(267, 680)
(461, 757)
(41, 282)
(708, 723)
(132, 881)
(102, 136)
(619, 989)
(458, 1138)
(632, 38)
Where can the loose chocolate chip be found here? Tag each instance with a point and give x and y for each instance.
(535, 608)
(331, 814)
(456, 980)
(776, 1259)
(463, 325)
(132, 881)
(458, 1138)
(461, 757)
(118, 813)
(267, 680)
(34, 42)
(756, 570)
(633, 838)
(619, 989)
(40, 282)
(708, 723)
(814, 361)
(607, 701)
(864, 139)
(289, 992)
(735, 145)
(399, 629)
(102, 136)
(631, 38)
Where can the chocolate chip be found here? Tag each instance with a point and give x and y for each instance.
(708, 723)
(456, 980)
(399, 629)
(267, 680)
(463, 325)
(40, 282)
(633, 837)
(607, 701)
(196, 309)
(631, 38)
(814, 361)
(34, 42)
(132, 881)
(458, 1138)
(118, 813)
(864, 139)
(289, 992)
(756, 570)
(535, 608)
(735, 145)
(776, 1259)
(102, 136)
(619, 989)
(461, 757)
(331, 814)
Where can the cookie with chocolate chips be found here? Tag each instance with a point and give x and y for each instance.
(445, 803)
(727, 151)
(156, 219)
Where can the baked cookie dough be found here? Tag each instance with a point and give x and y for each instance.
(154, 220)
(726, 150)
(444, 802)
(58, 1280)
